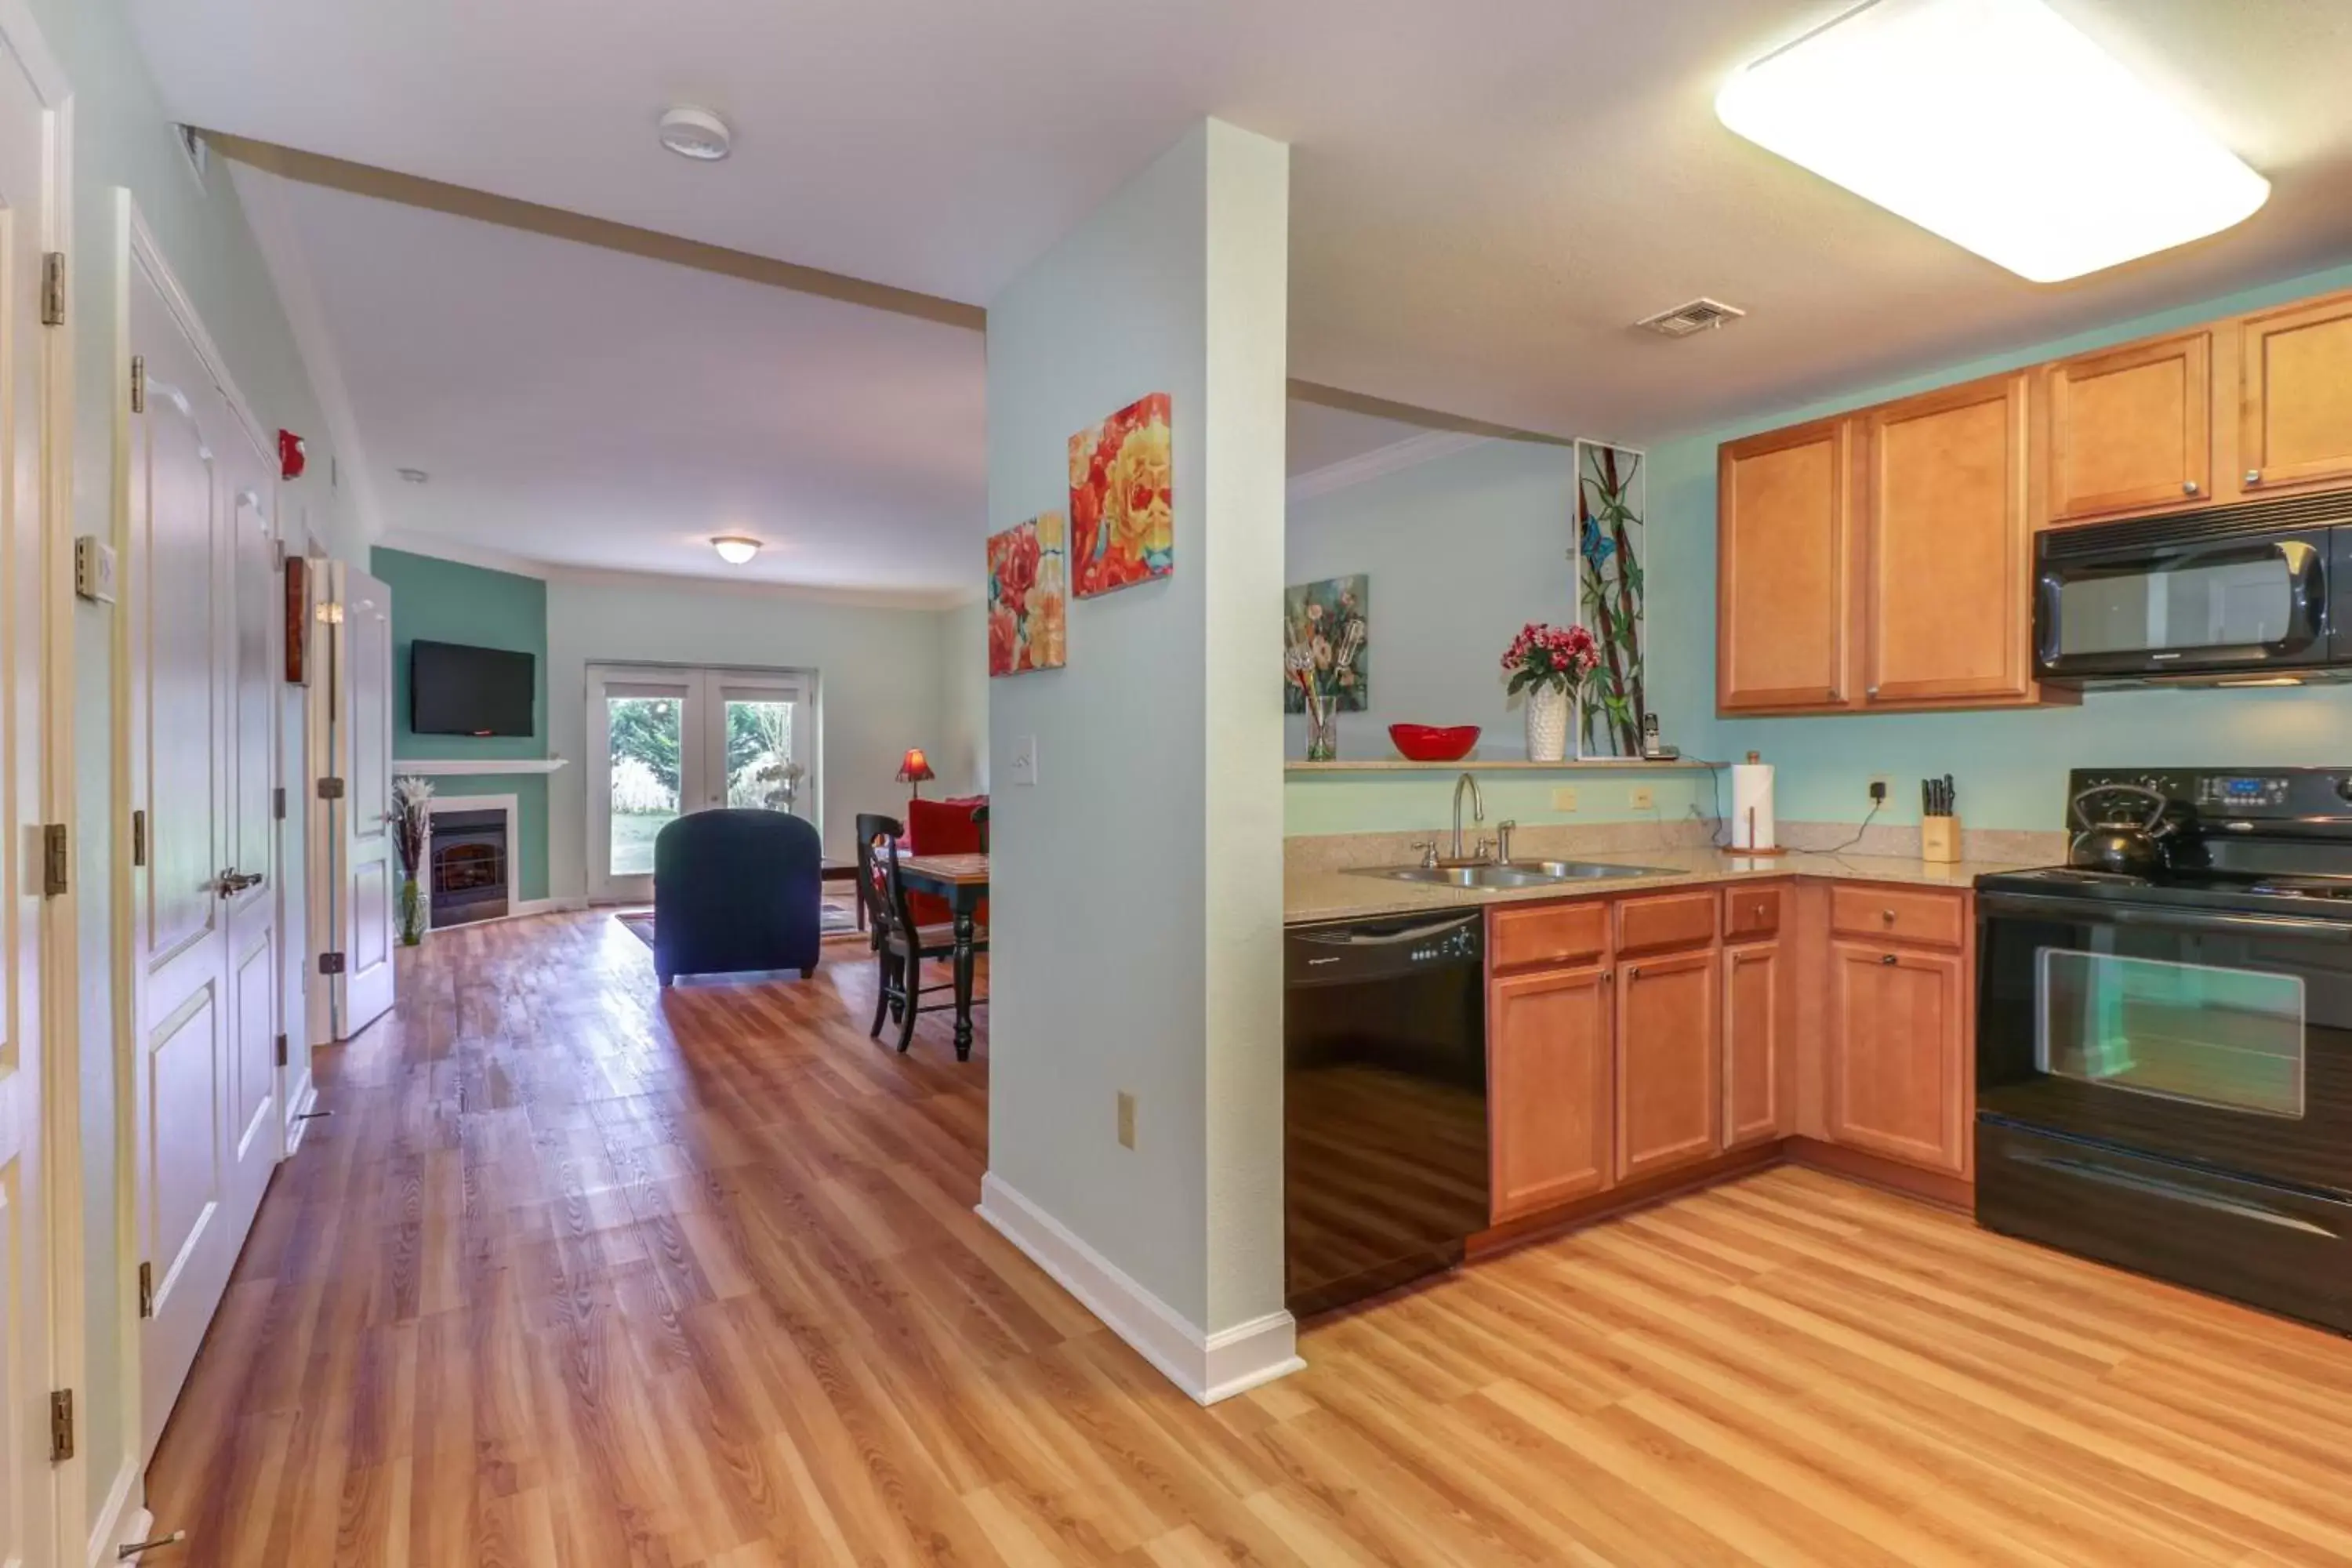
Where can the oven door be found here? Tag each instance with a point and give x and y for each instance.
(2211, 607)
(2218, 1040)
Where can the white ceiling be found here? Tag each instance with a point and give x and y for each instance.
(1483, 196)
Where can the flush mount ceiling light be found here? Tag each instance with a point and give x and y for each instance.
(413, 475)
(696, 133)
(1997, 125)
(735, 549)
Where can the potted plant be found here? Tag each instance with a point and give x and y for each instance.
(412, 823)
(1550, 665)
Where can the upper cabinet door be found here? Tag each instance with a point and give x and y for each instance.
(2131, 429)
(1947, 539)
(2296, 396)
(1784, 541)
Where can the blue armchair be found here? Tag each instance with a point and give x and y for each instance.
(736, 891)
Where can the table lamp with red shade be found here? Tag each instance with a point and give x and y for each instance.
(915, 769)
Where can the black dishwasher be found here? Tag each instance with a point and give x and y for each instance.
(1384, 1103)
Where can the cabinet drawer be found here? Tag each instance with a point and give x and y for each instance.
(1547, 934)
(1667, 920)
(1750, 912)
(1898, 914)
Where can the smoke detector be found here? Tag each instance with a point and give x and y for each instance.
(696, 133)
(1700, 315)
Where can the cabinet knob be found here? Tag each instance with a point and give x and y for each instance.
(1887, 958)
(1871, 692)
(1886, 915)
(2253, 476)
(1632, 971)
(2188, 487)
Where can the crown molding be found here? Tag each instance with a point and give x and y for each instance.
(1381, 461)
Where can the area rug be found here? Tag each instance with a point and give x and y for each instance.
(839, 919)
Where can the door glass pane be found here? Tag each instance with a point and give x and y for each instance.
(2230, 1037)
(2224, 604)
(761, 771)
(649, 735)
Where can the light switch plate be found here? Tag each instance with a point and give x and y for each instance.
(1126, 1120)
(1023, 765)
(94, 569)
(1563, 798)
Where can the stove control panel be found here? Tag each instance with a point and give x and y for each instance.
(2307, 795)
(2226, 792)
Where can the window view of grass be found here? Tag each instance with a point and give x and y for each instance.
(648, 772)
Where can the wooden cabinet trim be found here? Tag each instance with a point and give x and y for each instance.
(1835, 692)
(2187, 483)
(1658, 923)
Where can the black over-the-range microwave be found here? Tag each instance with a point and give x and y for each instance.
(2235, 595)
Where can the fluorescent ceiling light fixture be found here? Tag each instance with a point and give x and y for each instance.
(735, 549)
(1997, 125)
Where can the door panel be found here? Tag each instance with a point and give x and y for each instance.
(1785, 540)
(2131, 429)
(1669, 1065)
(1548, 1083)
(175, 535)
(1899, 1056)
(1948, 541)
(183, 1069)
(362, 822)
(256, 611)
(1751, 1043)
(2295, 398)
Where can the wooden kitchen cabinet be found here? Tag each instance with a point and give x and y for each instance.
(2129, 430)
(1549, 1070)
(1899, 1056)
(1784, 540)
(1949, 545)
(2294, 396)
(1754, 997)
(1669, 1062)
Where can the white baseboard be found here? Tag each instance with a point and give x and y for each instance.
(118, 1522)
(1207, 1366)
(548, 906)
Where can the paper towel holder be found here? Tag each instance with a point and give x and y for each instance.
(1758, 854)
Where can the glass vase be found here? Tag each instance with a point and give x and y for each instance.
(412, 913)
(1322, 732)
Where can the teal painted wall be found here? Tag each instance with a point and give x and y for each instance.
(2011, 767)
(447, 601)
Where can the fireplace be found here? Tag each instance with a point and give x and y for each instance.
(468, 867)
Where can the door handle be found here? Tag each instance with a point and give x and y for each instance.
(231, 882)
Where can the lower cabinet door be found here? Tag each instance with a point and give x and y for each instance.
(1669, 1063)
(1898, 1056)
(1548, 1075)
(1753, 997)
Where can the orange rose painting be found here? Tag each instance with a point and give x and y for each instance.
(1028, 596)
(1122, 500)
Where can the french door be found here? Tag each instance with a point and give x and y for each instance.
(664, 741)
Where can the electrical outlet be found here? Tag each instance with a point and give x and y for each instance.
(1563, 799)
(1126, 1120)
(1880, 787)
(1641, 799)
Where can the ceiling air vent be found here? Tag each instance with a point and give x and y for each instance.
(1695, 317)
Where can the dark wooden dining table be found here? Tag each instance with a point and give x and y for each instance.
(961, 882)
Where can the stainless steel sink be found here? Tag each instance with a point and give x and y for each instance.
(1514, 874)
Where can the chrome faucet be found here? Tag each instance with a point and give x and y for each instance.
(1477, 809)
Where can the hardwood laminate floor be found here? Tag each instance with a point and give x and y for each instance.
(584, 1273)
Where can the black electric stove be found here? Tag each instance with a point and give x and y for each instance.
(2164, 1061)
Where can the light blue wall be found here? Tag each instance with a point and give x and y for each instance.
(2010, 767)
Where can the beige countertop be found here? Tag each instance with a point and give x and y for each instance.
(1310, 894)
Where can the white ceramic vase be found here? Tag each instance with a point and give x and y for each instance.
(1550, 714)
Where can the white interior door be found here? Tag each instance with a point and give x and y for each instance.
(369, 883)
(29, 183)
(255, 1137)
(666, 742)
(192, 1200)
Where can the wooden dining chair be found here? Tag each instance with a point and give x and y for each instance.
(900, 945)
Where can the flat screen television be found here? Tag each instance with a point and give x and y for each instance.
(454, 689)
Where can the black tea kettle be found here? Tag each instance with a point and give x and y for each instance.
(2128, 847)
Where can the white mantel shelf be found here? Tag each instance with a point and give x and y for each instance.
(475, 766)
(1515, 765)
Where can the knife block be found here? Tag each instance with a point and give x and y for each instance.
(1939, 839)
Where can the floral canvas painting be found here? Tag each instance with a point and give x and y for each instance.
(1326, 639)
(1122, 502)
(1609, 556)
(1028, 596)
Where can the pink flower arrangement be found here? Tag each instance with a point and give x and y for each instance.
(1557, 657)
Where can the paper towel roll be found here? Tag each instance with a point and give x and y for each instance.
(1751, 805)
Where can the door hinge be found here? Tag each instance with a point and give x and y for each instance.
(61, 1425)
(331, 788)
(138, 384)
(53, 289)
(281, 1050)
(138, 837)
(277, 802)
(57, 859)
(330, 963)
(146, 1289)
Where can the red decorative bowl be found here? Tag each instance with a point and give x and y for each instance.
(1434, 742)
